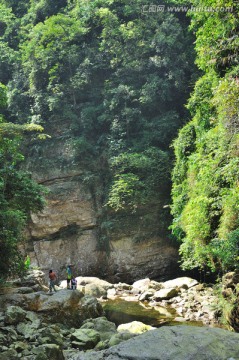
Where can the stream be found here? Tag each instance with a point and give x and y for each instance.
(120, 311)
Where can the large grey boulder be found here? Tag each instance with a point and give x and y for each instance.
(181, 282)
(173, 343)
(165, 294)
(69, 307)
(94, 286)
(64, 306)
(105, 328)
(91, 285)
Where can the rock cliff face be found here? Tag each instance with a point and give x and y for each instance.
(68, 229)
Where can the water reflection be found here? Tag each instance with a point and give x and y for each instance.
(120, 311)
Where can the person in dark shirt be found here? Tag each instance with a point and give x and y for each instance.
(52, 281)
(73, 283)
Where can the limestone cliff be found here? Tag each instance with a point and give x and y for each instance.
(68, 229)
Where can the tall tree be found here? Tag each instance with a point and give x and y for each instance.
(205, 178)
(19, 194)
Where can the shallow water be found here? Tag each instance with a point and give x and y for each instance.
(120, 311)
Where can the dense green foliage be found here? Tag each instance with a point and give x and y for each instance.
(111, 80)
(206, 173)
(19, 194)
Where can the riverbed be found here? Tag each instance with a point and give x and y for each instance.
(121, 311)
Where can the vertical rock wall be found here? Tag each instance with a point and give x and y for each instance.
(67, 230)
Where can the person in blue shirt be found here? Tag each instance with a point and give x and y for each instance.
(69, 276)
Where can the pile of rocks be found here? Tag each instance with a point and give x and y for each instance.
(191, 300)
(23, 335)
(35, 325)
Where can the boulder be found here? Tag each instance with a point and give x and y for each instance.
(91, 285)
(95, 290)
(173, 342)
(94, 286)
(64, 306)
(26, 330)
(141, 285)
(104, 327)
(165, 294)
(120, 337)
(48, 352)
(147, 295)
(181, 282)
(111, 294)
(10, 354)
(51, 335)
(20, 346)
(122, 286)
(33, 277)
(85, 339)
(14, 315)
(134, 327)
(155, 285)
(70, 307)
(25, 290)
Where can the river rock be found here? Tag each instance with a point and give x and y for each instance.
(173, 343)
(92, 285)
(134, 327)
(69, 307)
(51, 335)
(111, 294)
(165, 294)
(120, 337)
(105, 328)
(147, 295)
(14, 315)
(84, 339)
(47, 352)
(64, 306)
(141, 285)
(122, 286)
(181, 282)
(9, 354)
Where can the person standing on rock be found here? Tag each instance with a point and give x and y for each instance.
(52, 281)
(73, 283)
(69, 276)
